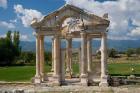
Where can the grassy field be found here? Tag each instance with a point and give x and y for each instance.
(124, 68)
(18, 73)
(25, 73)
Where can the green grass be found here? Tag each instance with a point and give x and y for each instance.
(18, 73)
(25, 73)
(124, 68)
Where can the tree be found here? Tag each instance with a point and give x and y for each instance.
(16, 41)
(138, 51)
(9, 48)
(112, 52)
(9, 36)
(6, 52)
(129, 52)
(48, 57)
(27, 58)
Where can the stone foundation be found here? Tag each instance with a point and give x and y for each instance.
(30, 88)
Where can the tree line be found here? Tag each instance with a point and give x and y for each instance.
(11, 54)
(9, 48)
(113, 53)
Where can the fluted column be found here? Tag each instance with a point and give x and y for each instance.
(69, 58)
(42, 60)
(89, 53)
(37, 78)
(57, 57)
(83, 58)
(103, 60)
(52, 69)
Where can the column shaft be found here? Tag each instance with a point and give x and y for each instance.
(37, 78)
(42, 60)
(89, 54)
(69, 57)
(52, 55)
(103, 60)
(57, 58)
(83, 59)
(37, 57)
(103, 55)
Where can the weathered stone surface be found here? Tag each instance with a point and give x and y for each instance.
(30, 88)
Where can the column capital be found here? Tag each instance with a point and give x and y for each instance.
(68, 38)
(104, 34)
(56, 36)
(89, 38)
(83, 33)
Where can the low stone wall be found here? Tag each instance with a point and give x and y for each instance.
(23, 88)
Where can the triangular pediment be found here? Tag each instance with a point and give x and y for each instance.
(55, 19)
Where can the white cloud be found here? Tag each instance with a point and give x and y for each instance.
(3, 3)
(7, 25)
(24, 37)
(120, 13)
(135, 32)
(3, 36)
(27, 15)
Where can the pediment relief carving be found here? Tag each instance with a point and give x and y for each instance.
(76, 18)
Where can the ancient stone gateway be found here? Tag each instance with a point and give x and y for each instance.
(66, 23)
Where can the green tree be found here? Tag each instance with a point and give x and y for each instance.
(138, 51)
(9, 36)
(112, 52)
(129, 52)
(27, 58)
(9, 48)
(16, 41)
(6, 52)
(48, 57)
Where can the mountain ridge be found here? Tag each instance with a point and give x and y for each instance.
(120, 45)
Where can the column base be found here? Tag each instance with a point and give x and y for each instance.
(90, 78)
(103, 82)
(52, 70)
(44, 77)
(68, 75)
(36, 80)
(84, 79)
(56, 81)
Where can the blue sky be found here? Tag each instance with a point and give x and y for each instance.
(124, 15)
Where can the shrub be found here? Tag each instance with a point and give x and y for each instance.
(112, 53)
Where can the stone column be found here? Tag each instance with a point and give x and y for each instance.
(42, 60)
(69, 58)
(52, 55)
(79, 57)
(37, 78)
(103, 50)
(62, 68)
(83, 75)
(89, 53)
(57, 57)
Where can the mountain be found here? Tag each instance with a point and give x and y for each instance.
(120, 45)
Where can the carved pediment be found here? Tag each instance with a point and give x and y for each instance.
(77, 16)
